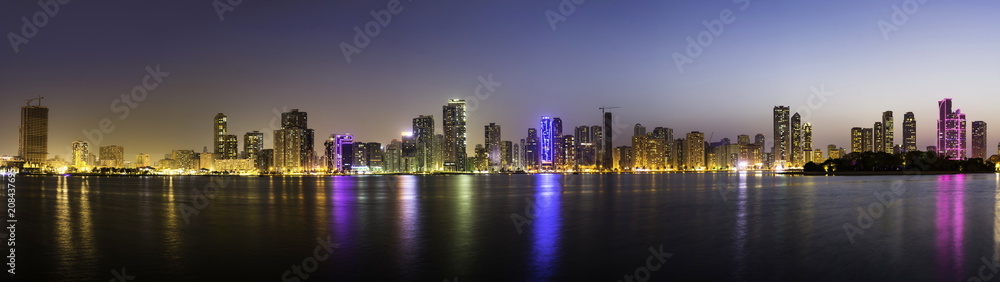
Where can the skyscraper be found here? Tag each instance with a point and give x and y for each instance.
(796, 140)
(340, 152)
(219, 127)
(781, 135)
(33, 134)
(423, 132)
(546, 148)
(950, 131)
(81, 152)
(979, 139)
(887, 131)
(142, 160)
(253, 143)
(867, 139)
(230, 147)
(879, 138)
(857, 143)
(695, 150)
(493, 147)
(606, 160)
(531, 150)
(454, 135)
(639, 130)
(293, 143)
(112, 156)
(909, 132)
(807, 136)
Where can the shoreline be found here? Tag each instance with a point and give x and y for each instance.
(874, 173)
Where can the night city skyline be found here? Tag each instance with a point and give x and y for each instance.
(541, 74)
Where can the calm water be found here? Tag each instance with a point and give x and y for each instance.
(716, 227)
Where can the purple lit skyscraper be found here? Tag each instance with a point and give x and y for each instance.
(545, 148)
(951, 131)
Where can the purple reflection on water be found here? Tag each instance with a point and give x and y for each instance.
(408, 220)
(344, 202)
(949, 226)
(545, 240)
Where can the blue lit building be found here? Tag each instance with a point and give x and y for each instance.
(545, 149)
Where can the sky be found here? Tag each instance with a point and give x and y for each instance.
(263, 57)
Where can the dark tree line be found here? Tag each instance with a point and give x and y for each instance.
(910, 161)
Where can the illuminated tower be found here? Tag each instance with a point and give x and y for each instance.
(531, 150)
(33, 134)
(978, 139)
(781, 135)
(112, 156)
(253, 144)
(857, 140)
(887, 131)
(879, 138)
(423, 132)
(340, 152)
(606, 160)
(909, 132)
(493, 147)
(546, 148)
(796, 140)
(81, 151)
(219, 134)
(454, 135)
(950, 131)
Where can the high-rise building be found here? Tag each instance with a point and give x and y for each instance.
(531, 154)
(909, 132)
(506, 155)
(807, 136)
(639, 130)
(185, 159)
(112, 156)
(950, 131)
(867, 139)
(796, 140)
(695, 150)
(623, 158)
(879, 139)
(253, 143)
(606, 160)
(219, 128)
(423, 134)
(493, 147)
(546, 152)
(142, 160)
(454, 135)
(979, 139)
(782, 135)
(667, 135)
(857, 140)
(293, 143)
(81, 151)
(230, 147)
(33, 135)
(340, 152)
(832, 151)
(887, 131)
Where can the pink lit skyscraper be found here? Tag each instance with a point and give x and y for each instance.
(950, 131)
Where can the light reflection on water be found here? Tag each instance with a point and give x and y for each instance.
(586, 227)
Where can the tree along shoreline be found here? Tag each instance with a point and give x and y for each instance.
(916, 162)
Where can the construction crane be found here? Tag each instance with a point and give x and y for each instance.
(28, 102)
(603, 109)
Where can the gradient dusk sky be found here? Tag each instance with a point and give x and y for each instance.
(268, 56)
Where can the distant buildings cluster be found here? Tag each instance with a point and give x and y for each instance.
(546, 148)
